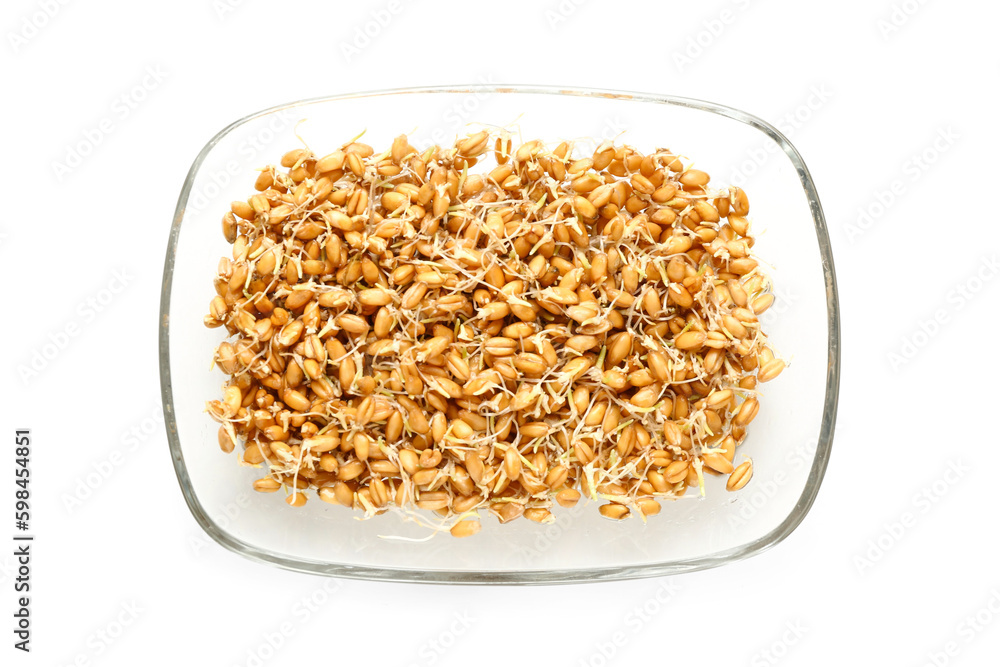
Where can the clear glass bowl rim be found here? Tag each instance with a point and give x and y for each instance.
(783, 530)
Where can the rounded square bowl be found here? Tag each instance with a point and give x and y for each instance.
(790, 441)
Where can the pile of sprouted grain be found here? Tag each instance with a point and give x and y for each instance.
(410, 333)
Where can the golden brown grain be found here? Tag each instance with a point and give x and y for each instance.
(740, 476)
(466, 528)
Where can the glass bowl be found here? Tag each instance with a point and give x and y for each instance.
(789, 442)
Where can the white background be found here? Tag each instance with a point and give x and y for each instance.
(895, 560)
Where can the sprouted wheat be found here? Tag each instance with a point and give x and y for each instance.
(422, 331)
